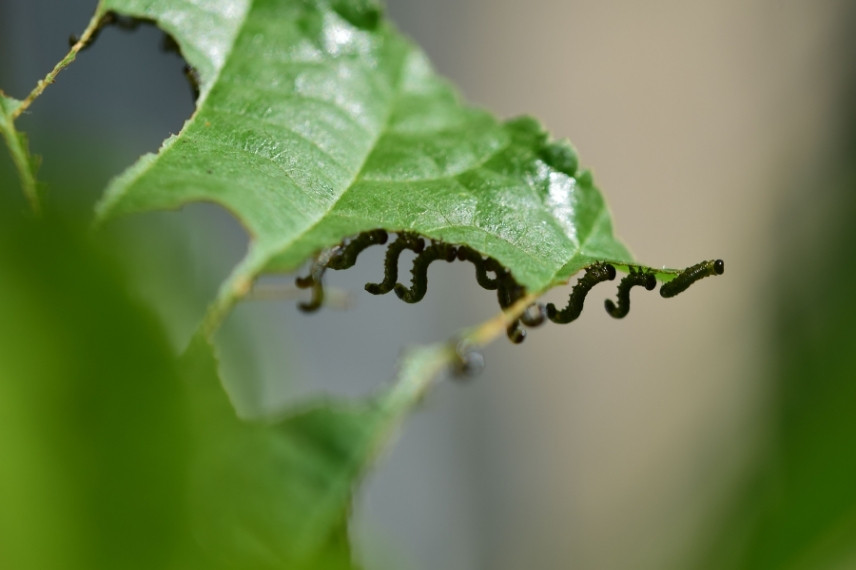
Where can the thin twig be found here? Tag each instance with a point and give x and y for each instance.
(333, 298)
(42, 84)
(422, 366)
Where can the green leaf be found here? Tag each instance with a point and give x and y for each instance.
(8, 105)
(19, 149)
(278, 494)
(93, 438)
(318, 121)
(114, 462)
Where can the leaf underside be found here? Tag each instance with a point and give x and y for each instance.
(318, 121)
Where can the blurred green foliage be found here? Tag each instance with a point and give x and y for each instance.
(93, 434)
(797, 507)
(118, 454)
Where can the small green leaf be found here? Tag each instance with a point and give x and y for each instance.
(278, 494)
(318, 121)
(19, 148)
(8, 105)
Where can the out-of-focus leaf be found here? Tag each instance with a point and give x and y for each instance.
(278, 494)
(93, 437)
(117, 460)
(318, 120)
(19, 149)
(8, 105)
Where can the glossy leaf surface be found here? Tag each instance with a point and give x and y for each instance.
(318, 121)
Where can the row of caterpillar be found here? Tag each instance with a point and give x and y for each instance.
(345, 255)
(490, 274)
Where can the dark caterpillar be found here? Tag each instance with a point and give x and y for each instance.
(482, 267)
(508, 290)
(514, 333)
(595, 274)
(419, 286)
(313, 281)
(637, 276)
(690, 275)
(390, 264)
(347, 253)
(340, 257)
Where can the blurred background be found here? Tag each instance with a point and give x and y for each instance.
(713, 430)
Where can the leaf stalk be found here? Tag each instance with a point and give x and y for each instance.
(94, 24)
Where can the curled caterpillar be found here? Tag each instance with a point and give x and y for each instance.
(690, 275)
(390, 264)
(508, 290)
(339, 257)
(594, 274)
(482, 266)
(313, 281)
(346, 256)
(637, 276)
(419, 285)
(515, 333)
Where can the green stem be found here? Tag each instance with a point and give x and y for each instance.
(235, 288)
(421, 366)
(16, 140)
(42, 84)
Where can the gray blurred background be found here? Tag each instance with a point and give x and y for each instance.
(713, 128)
